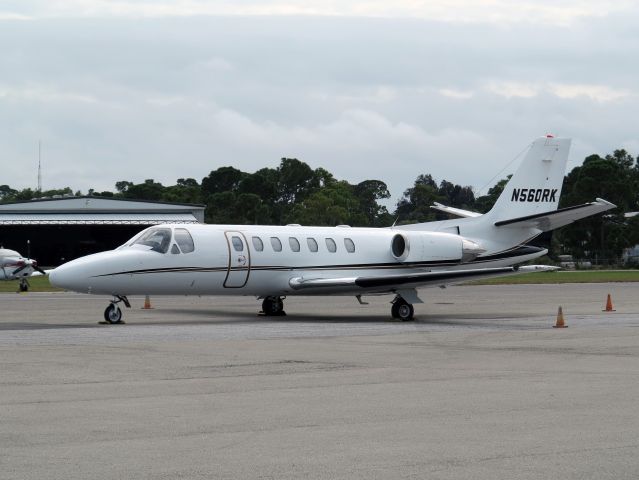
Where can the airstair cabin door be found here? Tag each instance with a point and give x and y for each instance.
(239, 260)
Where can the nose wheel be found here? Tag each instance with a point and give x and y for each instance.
(402, 310)
(113, 313)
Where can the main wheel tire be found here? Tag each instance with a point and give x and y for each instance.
(402, 310)
(24, 287)
(113, 314)
(273, 306)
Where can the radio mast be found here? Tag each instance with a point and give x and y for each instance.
(39, 167)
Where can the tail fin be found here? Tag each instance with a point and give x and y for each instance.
(536, 185)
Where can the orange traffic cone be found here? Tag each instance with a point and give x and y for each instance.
(609, 305)
(147, 303)
(560, 320)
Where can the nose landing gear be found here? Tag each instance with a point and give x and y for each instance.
(113, 313)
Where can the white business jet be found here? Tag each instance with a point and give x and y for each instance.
(272, 262)
(14, 266)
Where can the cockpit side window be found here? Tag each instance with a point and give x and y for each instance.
(158, 239)
(184, 240)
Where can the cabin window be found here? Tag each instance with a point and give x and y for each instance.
(238, 245)
(312, 244)
(158, 239)
(350, 246)
(184, 240)
(276, 244)
(294, 243)
(257, 244)
(174, 249)
(331, 245)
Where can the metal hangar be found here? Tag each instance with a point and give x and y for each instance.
(61, 229)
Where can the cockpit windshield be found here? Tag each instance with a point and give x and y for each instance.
(158, 239)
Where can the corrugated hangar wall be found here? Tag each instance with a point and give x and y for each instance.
(61, 229)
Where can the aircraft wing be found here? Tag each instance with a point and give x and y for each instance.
(433, 278)
(39, 272)
(454, 211)
(558, 218)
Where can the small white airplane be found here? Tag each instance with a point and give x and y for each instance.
(272, 262)
(14, 266)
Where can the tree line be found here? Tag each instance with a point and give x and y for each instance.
(296, 193)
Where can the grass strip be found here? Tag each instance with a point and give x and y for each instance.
(579, 276)
(37, 284)
(41, 284)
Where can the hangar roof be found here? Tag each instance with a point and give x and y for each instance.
(98, 211)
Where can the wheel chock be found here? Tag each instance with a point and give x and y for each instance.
(609, 307)
(147, 303)
(560, 320)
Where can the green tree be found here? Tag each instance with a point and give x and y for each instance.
(7, 194)
(263, 184)
(484, 203)
(368, 193)
(224, 179)
(148, 190)
(122, 186)
(296, 180)
(186, 190)
(220, 208)
(456, 195)
(414, 207)
(329, 206)
(614, 178)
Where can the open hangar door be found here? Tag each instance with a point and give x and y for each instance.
(61, 229)
(52, 245)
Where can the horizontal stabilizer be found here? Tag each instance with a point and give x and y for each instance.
(558, 218)
(434, 278)
(458, 212)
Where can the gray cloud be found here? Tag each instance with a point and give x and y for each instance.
(169, 97)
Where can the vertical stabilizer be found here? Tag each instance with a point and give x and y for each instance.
(536, 185)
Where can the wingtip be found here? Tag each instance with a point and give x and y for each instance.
(601, 201)
(538, 268)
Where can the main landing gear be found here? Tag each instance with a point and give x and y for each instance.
(402, 310)
(113, 313)
(273, 307)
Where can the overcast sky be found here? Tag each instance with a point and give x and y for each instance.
(130, 90)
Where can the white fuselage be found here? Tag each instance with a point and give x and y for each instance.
(247, 260)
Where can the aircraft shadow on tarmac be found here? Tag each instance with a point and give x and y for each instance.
(227, 317)
(42, 326)
(186, 316)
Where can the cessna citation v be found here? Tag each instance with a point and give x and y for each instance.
(272, 262)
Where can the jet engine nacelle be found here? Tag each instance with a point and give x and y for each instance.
(411, 246)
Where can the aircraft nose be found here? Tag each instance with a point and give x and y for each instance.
(62, 277)
(92, 274)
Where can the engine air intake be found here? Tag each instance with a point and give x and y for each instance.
(400, 247)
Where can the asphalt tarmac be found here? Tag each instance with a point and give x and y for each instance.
(479, 386)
